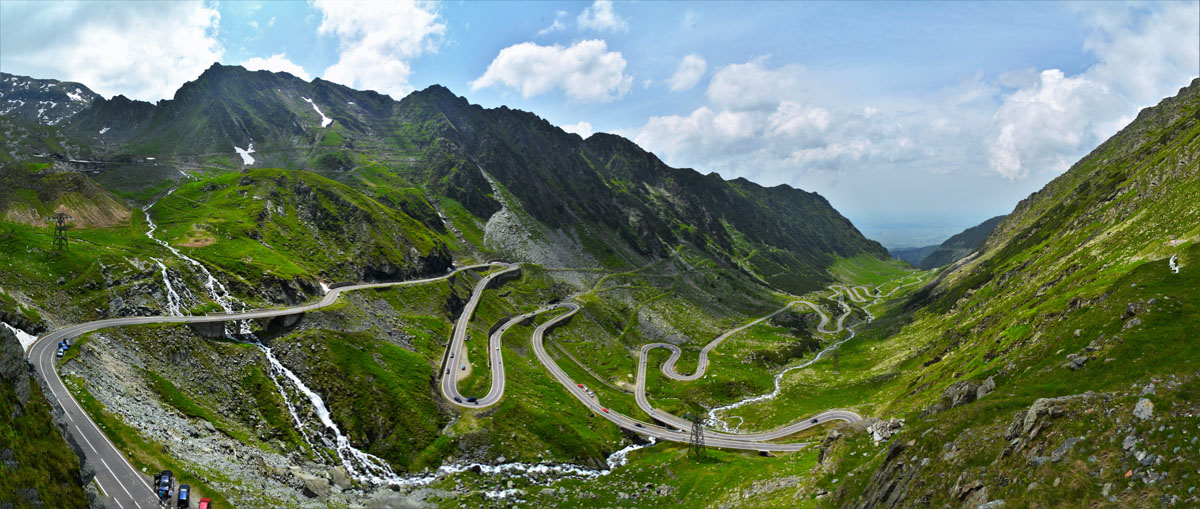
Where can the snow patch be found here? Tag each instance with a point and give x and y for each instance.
(1174, 263)
(25, 338)
(245, 153)
(102, 131)
(76, 96)
(325, 121)
(324, 288)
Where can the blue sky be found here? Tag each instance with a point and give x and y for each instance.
(914, 119)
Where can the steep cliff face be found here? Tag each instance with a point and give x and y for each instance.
(608, 187)
(37, 466)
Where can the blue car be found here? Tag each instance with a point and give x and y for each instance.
(184, 493)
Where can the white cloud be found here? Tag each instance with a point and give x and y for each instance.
(793, 119)
(1144, 53)
(753, 85)
(759, 124)
(583, 129)
(585, 71)
(559, 24)
(376, 41)
(688, 73)
(1043, 124)
(276, 63)
(601, 17)
(142, 50)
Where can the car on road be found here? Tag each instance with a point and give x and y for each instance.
(605, 409)
(458, 399)
(60, 352)
(814, 421)
(205, 504)
(580, 385)
(451, 355)
(472, 399)
(184, 502)
(638, 424)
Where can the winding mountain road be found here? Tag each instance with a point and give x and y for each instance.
(668, 370)
(122, 484)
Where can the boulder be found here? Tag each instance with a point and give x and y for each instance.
(314, 487)
(340, 478)
(1144, 409)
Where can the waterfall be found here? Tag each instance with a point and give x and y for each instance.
(216, 290)
(174, 303)
(359, 464)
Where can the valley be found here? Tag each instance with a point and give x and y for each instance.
(425, 302)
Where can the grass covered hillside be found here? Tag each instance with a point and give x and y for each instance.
(1058, 366)
(293, 224)
(31, 194)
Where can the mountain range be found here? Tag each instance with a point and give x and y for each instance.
(1044, 357)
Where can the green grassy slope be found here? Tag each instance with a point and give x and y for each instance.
(1079, 269)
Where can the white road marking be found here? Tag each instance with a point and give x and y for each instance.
(119, 483)
(85, 438)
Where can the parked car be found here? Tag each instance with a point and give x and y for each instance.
(185, 491)
(205, 503)
(464, 367)
(60, 352)
(162, 485)
(580, 385)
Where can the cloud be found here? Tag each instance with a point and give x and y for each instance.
(688, 73)
(142, 50)
(586, 71)
(276, 63)
(559, 24)
(760, 124)
(1144, 53)
(601, 17)
(753, 85)
(377, 40)
(583, 129)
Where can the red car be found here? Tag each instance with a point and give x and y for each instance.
(205, 503)
(580, 385)
(605, 409)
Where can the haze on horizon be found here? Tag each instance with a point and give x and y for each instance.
(915, 120)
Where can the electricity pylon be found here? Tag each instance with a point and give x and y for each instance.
(60, 231)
